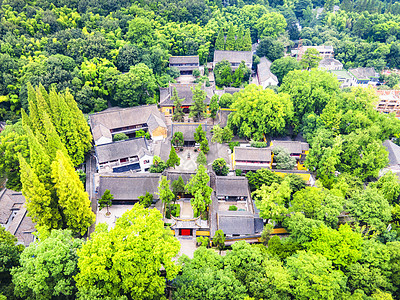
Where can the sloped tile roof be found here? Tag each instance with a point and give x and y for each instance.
(233, 56)
(130, 187)
(252, 154)
(236, 222)
(120, 149)
(232, 186)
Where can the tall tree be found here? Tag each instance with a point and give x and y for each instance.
(198, 187)
(214, 106)
(48, 267)
(310, 59)
(178, 186)
(220, 41)
(73, 199)
(247, 41)
(112, 262)
(164, 191)
(239, 43)
(197, 110)
(219, 240)
(9, 259)
(178, 110)
(201, 159)
(41, 205)
(199, 134)
(255, 114)
(230, 39)
(173, 159)
(284, 65)
(106, 200)
(13, 140)
(219, 167)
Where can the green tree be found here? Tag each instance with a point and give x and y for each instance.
(146, 200)
(9, 259)
(208, 279)
(112, 258)
(198, 187)
(310, 59)
(223, 73)
(247, 41)
(48, 267)
(73, 199)
(213, 108)
(13, 141)
(226, 100)
(241, 75)
(120, 137)
(272, 200)
(199, 134)
(178, 186)
(313, 276)
(255, 114)
(219, 240)
(201, 159)
(106, 200)
(239, 43)
(204, 146)
(370, 208)
(342, 247)
(230, 39)
(177, 139)
(309, 91)
(389, 185)
(173, 159)
(271, 25)
(262, 177)
(165, 193)
(318, 204)
(158, 165)
(178, 110)
(283, 159)
(41, 206)
(197, 110)
(270, 48)
(219, 167)
(301, 228)
(220, 41)
(137, 87)
(280, 67)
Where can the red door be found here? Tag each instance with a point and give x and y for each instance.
(185, 232)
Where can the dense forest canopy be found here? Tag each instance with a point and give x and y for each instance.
(107, 51)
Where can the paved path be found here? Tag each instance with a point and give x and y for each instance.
(90, 171)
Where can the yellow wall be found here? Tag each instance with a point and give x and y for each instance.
(160, 131)
(167, 110)
(202, 233)
(305, 176)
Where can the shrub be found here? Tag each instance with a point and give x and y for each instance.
(233, 145)
(120, 137)
(238, 172)
(219, 167)
(233, 208)
(258, 144)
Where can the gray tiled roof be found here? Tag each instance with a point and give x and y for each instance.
(117, 117)
(232, 186)
(327, 62)
(363, 73)
(174, 175)
(236, 222)
(129, 187)
(184, 59)
(187, 130)
(263, 70)
(252, 154)
(154, 122)
(291, 146)
(394, 152)
(21, 226)
(233, 56)
(120, 149)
